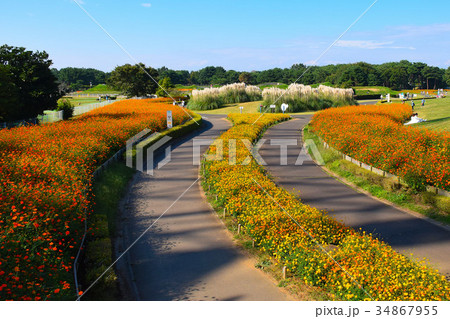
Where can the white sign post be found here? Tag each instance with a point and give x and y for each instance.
(388, 98)
(169, 119)
(273, 108)
(284, 107)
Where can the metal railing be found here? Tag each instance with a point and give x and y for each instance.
(47, 117)
(54, 116)
(78, 110)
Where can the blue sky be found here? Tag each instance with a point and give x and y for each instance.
(236, 34)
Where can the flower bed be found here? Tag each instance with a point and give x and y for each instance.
(44, 173)
(374, 135)
(254, 200)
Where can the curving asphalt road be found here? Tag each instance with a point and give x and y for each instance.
(188, 254)
(404, 232)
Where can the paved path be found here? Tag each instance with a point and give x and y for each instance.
(402, 231)
(187, 254)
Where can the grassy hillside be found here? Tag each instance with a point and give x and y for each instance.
(101, 89)
(436, 112)
(365, 90)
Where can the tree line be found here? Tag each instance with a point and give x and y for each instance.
(28, 85)
(395, 75)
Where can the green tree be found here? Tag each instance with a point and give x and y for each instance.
(165, 86)
(80, 78)
(373, 79)
(176, 77)
(193, 78)
(447, 76)
(134, 80)
(399, 78)
(232, 76)
(244, 77)
(415, 74)
(433, 76)
(66, 107)
(9, 95)
(205, 76)
(28, 74)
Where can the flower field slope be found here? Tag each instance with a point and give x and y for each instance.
(44, 171)
(375, 135)
(297, 235)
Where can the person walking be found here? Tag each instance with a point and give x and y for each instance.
(423, 102)
(412, 105)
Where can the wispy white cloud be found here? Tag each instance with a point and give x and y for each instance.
(419, 31)
(146, 5)
(370, 45)
(362, 44)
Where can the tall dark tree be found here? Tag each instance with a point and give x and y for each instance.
(232, 76)
(205, 75)
(134, 80)
(9, 95)
(28, 73)
(399, 78)
(244, 77)
(193, 78)
(178, 77)
(447, 76)
(433, 76)
(165, 85)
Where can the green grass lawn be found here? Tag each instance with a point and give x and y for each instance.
(78, 101)
(280, 86)
(249, 107)
(101, 89)
(372, 102)
(364, 90)
(436, 112)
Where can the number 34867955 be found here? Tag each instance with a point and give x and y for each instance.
(407, 310)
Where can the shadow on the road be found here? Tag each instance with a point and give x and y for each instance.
(192, 267)
(206, 126)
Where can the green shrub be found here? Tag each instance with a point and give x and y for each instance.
(390, 184)
(301, 98)
(66, 107)
(429, 198)
(416, 182)
(214, 98)
(443, 203)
